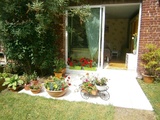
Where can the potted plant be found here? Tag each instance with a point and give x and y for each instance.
(36, 88)
(33, 78)
(101, 83)
(2, 79)
(57, 87)
(14, 82)
(89, 87)
(150, 62)
(59, 67)
(26, 78)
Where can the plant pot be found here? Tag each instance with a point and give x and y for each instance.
(58, 75)
(27, 86)
(1, 83)
(148, 79)
(34, 82)
(63, 71)
(101, 88)
(56, 93)
(94, 92)
(18, 88)
(84, 91)
(36, 91)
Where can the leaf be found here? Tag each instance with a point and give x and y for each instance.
(14, 87)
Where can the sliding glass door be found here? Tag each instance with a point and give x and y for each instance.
(85, 39)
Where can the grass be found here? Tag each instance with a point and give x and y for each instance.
(85, 68)
(15, 106)
(152, 92)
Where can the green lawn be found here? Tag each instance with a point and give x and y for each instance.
(15, 106)
(152, 91)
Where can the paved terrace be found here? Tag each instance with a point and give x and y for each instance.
(124, 90)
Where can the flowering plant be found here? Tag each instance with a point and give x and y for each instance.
(36, 86)
(88, 86)
(82, 62)
(102, 81)
(88, 83)
(57, 84)
(86, 62)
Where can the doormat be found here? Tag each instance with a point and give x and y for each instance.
(117, 66)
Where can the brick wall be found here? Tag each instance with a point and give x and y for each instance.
(100, 2)
(150, 26)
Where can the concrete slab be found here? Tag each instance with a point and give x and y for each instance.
(124, 90)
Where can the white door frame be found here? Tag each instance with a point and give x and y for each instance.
(101, 35)
(138, 37)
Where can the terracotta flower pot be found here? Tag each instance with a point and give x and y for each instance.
(148, 79)
(18, 88)
(36, 91)
(1, 83)
(94, 92)
(34, 82)
(27, 86)
(56, 93)
(63, 71)
(58, 75)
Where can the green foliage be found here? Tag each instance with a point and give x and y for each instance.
(36, 86)
(4, 75)
(88, 86)
(83, 13)
(29, 32)
(59, 64)
(102, 81)
(33, 76)
(26, 78)
(13, 82)
(56, 84)
(151, 60)
(13, 67)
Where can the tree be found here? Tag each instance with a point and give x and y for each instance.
(28, 31)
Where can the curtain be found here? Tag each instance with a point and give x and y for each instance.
(92, 31)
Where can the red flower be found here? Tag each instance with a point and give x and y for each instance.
(70, 64)
(62, 88)
(65, 76)
(90, 84)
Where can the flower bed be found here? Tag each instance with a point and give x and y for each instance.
(82, 64)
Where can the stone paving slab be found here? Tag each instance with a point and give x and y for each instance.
(124, 90)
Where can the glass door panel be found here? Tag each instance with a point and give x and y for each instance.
(85, 41)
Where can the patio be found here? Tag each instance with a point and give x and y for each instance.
(124, 90)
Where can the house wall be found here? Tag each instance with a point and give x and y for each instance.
(99, 2)
(150, 22)
(150, 26)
